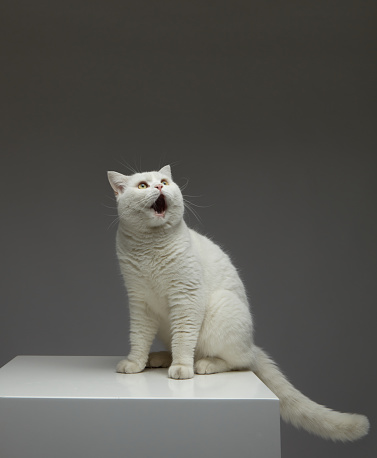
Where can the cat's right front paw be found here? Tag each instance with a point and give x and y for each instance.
(129, 367)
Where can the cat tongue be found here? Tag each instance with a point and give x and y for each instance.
(159, 206)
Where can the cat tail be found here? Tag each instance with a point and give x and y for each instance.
(300, 411)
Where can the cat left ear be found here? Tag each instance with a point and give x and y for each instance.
(118, 182)
(166, 171)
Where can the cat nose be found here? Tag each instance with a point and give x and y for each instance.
(159, 186)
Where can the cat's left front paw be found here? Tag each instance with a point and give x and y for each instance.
(181, 371)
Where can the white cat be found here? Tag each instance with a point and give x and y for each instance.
(184, 288)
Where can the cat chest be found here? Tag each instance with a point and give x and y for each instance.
(157, 302)
(151, 286)
(156, 276)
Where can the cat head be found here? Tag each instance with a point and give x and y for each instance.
(148, 199)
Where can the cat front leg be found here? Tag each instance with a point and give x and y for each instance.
(185, 322)
(143, 328)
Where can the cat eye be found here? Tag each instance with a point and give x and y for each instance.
(143, 185)
(164, 182)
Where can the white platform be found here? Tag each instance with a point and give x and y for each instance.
(78, 406)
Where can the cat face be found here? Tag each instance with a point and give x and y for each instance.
(149, 199)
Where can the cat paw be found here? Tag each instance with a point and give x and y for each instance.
(159, 359)
(129, 367)
(210, 366)
(180, 371)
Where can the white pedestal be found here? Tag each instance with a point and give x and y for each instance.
(78, 406)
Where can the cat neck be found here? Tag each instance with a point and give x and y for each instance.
(154, 236)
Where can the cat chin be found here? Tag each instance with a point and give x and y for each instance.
(168, 218)
(157, 221)
(160, 215)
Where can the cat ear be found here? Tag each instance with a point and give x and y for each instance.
(166, 171)
(118, 182)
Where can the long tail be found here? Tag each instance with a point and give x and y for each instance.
(303, 413)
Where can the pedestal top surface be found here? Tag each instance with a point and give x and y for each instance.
(94, 377)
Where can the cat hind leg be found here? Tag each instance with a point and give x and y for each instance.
(225, 339)
(129, 367)
(211, 365)
(159, 359)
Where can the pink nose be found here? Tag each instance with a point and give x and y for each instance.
(159, 187)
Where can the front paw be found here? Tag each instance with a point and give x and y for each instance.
(180, 371)
(129, 367)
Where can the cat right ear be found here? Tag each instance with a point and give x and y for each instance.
(118, 182)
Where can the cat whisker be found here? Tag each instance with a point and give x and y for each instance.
(199, 206)
(187, 205)
(111, 208)
(116, 220)
(124, 163)
(146, 201)
(183, 187)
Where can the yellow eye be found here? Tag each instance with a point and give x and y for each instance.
(164, 182)
(143, 186)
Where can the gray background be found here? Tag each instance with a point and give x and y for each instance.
(268, 108)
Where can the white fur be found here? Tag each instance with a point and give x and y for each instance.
(184, 288)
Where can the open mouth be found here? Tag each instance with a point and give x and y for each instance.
(159, 205)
